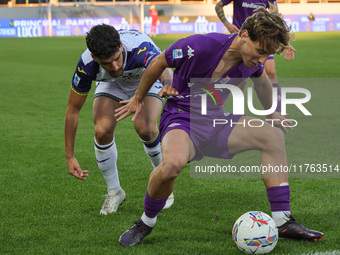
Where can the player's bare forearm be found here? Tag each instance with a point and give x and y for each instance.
(71, 123)
(263, 89)
(153, 72)
(167, 77)
(75, 103)
(220, 12)
(74, 106)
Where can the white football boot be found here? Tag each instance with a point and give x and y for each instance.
(169, 201)
(114, 198)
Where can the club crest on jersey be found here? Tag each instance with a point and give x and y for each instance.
(177, 53)
(190, 52)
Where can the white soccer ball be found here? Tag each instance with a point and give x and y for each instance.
(255, 232)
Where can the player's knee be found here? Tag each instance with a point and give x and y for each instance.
(103, 135)
(172, 168)
(146, 131)
(275, 140)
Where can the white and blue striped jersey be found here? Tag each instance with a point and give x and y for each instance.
(139, 50)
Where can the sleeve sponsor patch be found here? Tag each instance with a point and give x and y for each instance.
(177, 53)
(76, 79)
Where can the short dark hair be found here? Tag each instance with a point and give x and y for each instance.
(269, 29)
(103, 41)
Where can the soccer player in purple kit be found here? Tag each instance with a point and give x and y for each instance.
(188, 135)
(241, 10)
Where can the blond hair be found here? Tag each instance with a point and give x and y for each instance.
(269, 29)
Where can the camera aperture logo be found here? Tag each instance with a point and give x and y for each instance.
(209, 93)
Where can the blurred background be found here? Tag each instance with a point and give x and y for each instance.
(35, 18)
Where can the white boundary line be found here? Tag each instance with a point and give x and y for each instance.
(335, 252)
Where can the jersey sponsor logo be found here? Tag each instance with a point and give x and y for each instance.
(253, 5)
(76, 79)
(190, 52)
(174, 124)
(177, 53)
(81, 71)
(148, 56)
(141, 50)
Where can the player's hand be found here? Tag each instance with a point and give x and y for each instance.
(130, 106)
(289, 53)
(75, 170)
(232, 28)
(279, 120)
(167, 91)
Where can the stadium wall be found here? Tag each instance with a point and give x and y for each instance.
(77, 18)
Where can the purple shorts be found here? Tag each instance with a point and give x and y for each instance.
(209, 141)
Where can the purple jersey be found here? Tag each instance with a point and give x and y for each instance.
(196, 57)
(245, 8)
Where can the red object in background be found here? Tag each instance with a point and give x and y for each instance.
(154, 20)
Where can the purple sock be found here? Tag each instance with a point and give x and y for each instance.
(278, 107)
(279, 198)
(152, 207)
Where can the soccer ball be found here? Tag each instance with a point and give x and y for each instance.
(255, 232)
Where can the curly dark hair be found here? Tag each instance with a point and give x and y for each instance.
(103, 41)
(269, 29)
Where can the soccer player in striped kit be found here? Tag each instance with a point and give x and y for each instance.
(116, 60)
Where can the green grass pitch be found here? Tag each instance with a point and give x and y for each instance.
(44, 210)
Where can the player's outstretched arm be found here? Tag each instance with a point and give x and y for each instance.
(221, 15)
(75, 103)
(150, 76)
(166, 79)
